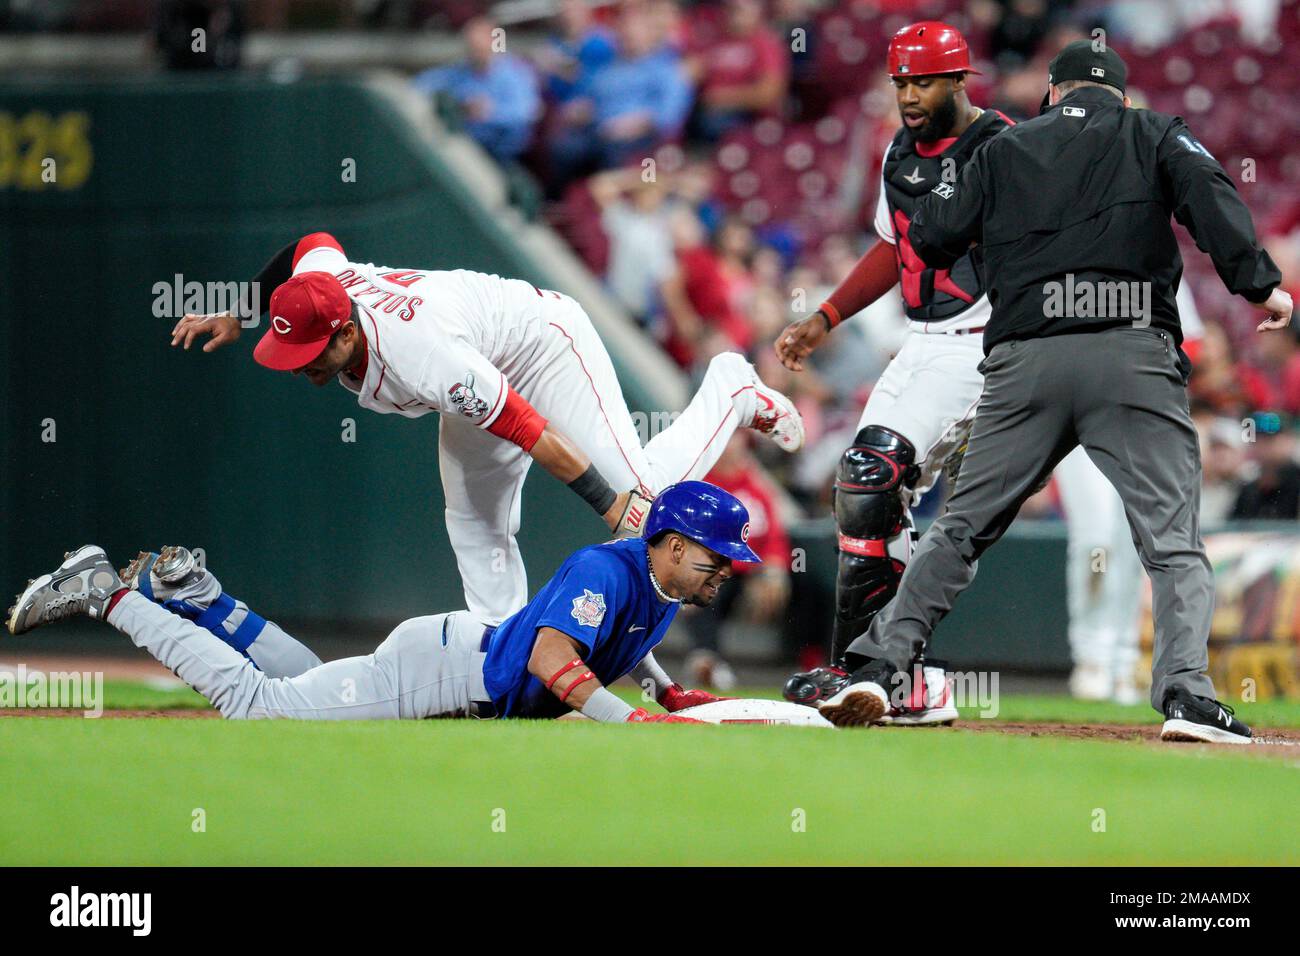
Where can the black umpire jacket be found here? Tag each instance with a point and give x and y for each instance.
(1072, 208)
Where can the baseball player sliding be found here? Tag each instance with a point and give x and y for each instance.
(518, 374)
(921, 409)
(599, 618)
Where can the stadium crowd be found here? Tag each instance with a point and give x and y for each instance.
(718, 164)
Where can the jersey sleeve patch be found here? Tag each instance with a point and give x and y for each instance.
(1193, 145)
(589, 609)
(467, 401)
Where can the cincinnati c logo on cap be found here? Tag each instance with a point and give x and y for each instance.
(281, 325)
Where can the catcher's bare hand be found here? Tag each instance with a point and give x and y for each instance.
(626, 517)
(798, 341)
(222, 326)
(1278, 307)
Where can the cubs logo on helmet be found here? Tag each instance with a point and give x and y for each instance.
(707, 515)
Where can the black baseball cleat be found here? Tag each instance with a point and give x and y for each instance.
(814, 686)
(865, 697)
(1202, 720)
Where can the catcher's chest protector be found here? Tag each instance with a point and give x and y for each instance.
(933, 294)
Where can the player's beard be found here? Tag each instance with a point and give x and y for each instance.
(940, 122)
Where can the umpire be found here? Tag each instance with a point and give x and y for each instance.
(1083, 347)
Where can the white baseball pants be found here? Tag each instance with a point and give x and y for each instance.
(928, 394)
(571, 382)
(427, 667)
(1103, 571)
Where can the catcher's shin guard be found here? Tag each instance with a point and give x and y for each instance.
(872, 486)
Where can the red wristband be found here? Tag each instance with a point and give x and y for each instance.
(581, 680)
(576, 662)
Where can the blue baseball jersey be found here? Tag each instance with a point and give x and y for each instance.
(603, 599)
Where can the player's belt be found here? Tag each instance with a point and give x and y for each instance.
(480, 704)
(975, 331)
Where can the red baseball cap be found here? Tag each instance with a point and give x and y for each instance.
(306, 311)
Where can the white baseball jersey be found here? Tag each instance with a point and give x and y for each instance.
(439, 341)
(499, 359)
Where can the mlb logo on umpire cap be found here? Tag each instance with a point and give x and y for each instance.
(1097, 72)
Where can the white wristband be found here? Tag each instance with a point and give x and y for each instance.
(605, 707)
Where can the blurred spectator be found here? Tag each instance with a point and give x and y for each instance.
(577, 49)
(1222, 383)
(496, 91)
(1273, 492)
(623, 107)
(759, 593)
(743, 76)
(704, 296)
(1278, 360)
(1020, 28)
(200, 34)
(796, 26)
(1221, 462)
(637, 221)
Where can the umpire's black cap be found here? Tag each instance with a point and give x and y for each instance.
(1086, 60)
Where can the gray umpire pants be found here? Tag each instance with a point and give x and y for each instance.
(1119, 394)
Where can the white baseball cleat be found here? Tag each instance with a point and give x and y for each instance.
(174, 578)
(931, 704)
(1127, 692)
(82, 584)
(857, 705)
(777, 418)
(1089, 681)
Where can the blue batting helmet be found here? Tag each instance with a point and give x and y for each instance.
(706, 514)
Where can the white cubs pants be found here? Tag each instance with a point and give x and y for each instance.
(928, 394)
(1103, 571)
(571, 382)
(427, 667)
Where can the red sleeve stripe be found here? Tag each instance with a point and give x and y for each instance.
(518, 422)
(316, 240)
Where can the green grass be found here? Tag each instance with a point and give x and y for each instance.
(134, 695)
(124, 791)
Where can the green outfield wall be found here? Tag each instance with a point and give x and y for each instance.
(307, 506)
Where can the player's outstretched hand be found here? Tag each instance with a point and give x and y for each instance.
(626, 517)
(1278, 307)
(643, 716)
(798, 341)
(675, 698)
(222, 326)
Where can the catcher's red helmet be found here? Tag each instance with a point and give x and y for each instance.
(928, 48)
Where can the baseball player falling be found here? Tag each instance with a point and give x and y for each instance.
(518, 374)
(920, 410)
(598, 619)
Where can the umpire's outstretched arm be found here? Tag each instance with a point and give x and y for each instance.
(950, 218)
(1206, 202)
